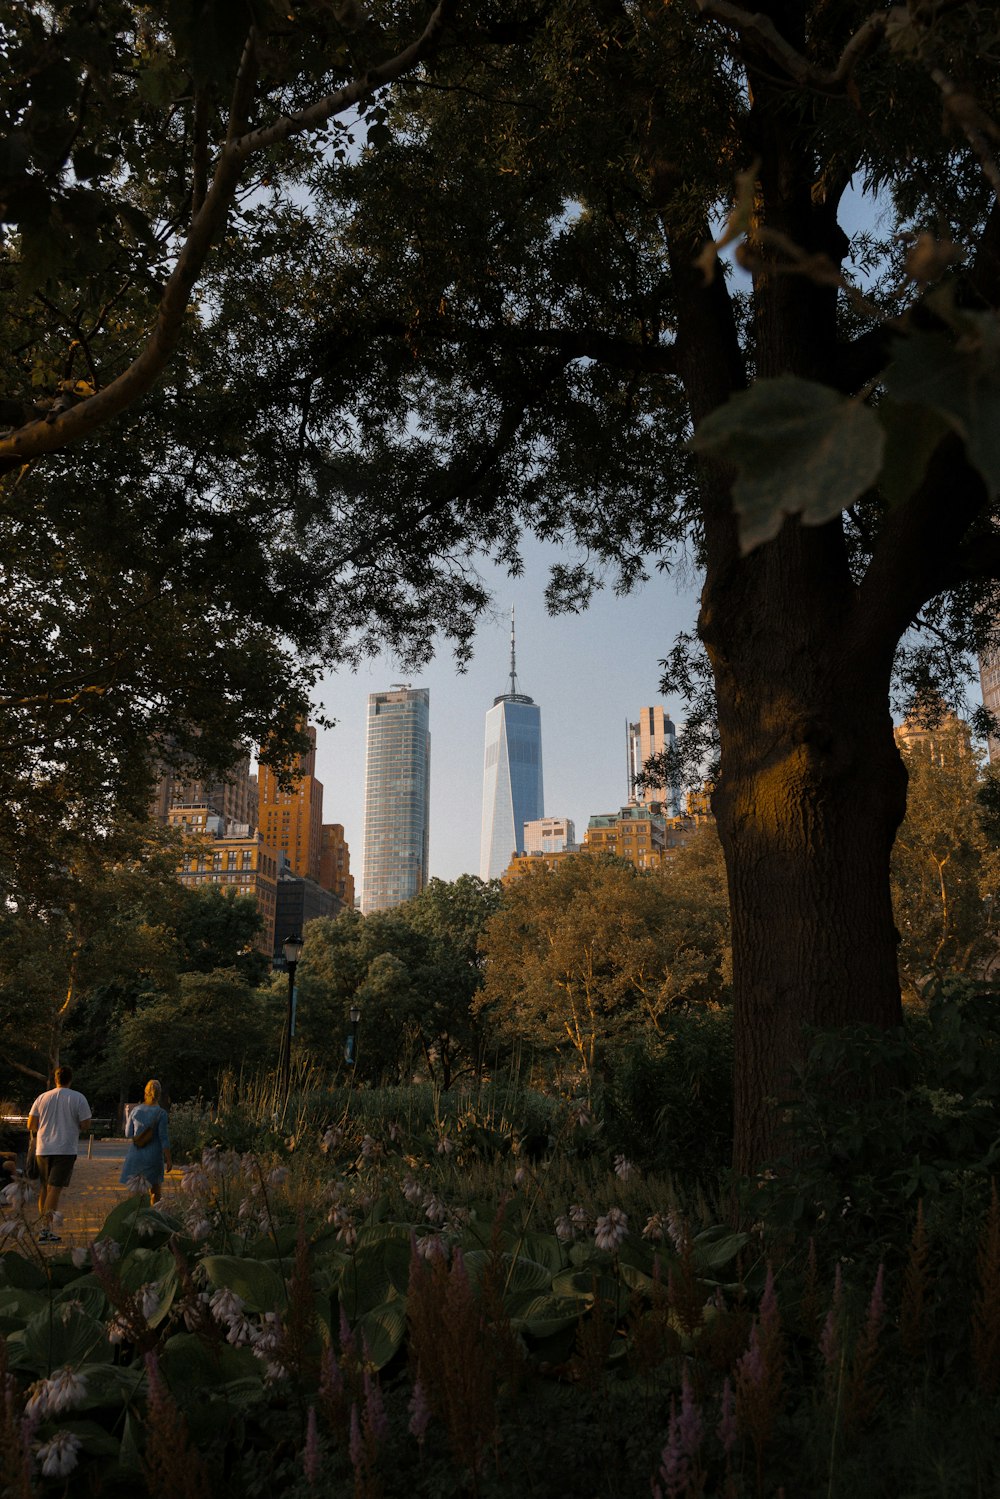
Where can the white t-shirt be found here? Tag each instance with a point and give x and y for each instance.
(60, 1112)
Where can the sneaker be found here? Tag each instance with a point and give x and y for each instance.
(48, 1237)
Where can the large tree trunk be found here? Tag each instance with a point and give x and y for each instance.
(811, 792)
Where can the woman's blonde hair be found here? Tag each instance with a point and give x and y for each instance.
(152, 1091)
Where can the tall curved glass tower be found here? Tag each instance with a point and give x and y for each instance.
(512, 774)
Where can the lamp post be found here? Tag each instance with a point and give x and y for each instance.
(292, 948)
(351, 1044)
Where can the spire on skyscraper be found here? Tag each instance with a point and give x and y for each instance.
(513, 656)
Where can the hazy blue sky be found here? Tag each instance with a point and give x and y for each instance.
(589, 673)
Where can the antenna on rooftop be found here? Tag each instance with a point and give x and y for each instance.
(513, 656)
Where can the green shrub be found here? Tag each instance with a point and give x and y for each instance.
(883, 1120)
(668, 1101)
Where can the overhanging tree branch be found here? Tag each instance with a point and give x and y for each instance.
(57, 430)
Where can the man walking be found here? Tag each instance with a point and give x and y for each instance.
(55, 1120)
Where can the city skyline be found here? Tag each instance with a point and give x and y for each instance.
(589, 672)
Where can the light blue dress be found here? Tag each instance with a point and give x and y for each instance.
(146, 1161)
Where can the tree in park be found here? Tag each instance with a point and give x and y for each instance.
(595, 951)
(412, 971)
(944, 863)
(508, 312)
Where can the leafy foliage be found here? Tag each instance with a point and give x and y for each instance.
(585, 954)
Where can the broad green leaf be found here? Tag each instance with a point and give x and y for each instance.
(799, 448)
(189, 1362)
(87, 1294)
(110, 1384)
(96, 1441)
(544, 1249)
(716, 1246)
(545, 1316)
(120, 1224)
(15, 1270)
(261, 1288)
(960, 381)
(376, 1273)
(143, 1266)
(129, 1458)
(638, 1280)
(383, 1330)
(518, 1276)
(590, 1285)
(16, 1307)
(68, 1336)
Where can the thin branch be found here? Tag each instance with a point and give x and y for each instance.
(199, 153)
(243, 88)
(796, 67)
(457, 485)
(53, 702)
(975, 123)
(58, 429)
(570, 343)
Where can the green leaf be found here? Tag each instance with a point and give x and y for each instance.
(518, 1276)
(129, 1457)
(15, 1270)
(716, 1246)
(800, 448)
(96, 1441)
(189, 1362)
(588, 1286)
(958, 380)
(383, 1330)
(69, 1336)
(376, 1273)
(260, 1287)
(546, 1316)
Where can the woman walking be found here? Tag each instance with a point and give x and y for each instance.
(149, 1153)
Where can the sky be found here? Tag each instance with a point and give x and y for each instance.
(589, 673)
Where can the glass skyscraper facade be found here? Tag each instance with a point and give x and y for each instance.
(397, 797)
(512, 775)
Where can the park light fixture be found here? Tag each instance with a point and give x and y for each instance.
(292, 948)
(351, 1044)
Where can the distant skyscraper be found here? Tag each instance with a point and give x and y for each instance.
(654, 734)
(397, 797)
(512, 774)
(291, 820)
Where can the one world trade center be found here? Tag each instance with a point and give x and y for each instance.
(512, 774)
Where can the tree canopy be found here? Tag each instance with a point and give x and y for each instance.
(412, 971)
(596, 951)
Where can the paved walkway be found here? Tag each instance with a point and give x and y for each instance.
(92, 1193)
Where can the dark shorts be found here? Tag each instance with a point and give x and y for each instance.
(55, 1170)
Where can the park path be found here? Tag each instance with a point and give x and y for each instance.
(92, 1193)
